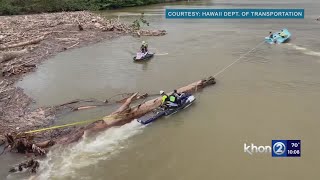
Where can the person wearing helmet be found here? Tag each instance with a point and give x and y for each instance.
(168, 101)
(165, 97)
(144, 47)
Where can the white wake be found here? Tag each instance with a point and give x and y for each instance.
(304, 50)
(62, 163)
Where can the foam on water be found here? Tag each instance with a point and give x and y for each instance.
(313, 53)
(304, 50)
(63, 162)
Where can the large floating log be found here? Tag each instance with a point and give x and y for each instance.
(151, 32)
(126, 114)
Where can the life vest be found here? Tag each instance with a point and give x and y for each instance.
(172, 98)
(164, 98)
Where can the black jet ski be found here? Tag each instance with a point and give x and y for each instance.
(143, 56)
(186, 101)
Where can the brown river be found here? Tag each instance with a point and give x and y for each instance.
(272, 93)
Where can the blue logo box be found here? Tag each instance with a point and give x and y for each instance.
(235, 13)
(286, 148)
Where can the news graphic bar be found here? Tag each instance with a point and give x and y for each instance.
(235, 13)
(286, 148)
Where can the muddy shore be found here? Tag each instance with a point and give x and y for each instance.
(26, 41)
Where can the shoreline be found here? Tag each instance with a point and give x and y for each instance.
(58, 32)
(27, 8)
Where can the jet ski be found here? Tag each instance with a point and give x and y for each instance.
(276, 38)
(171, 108)
(143, 56)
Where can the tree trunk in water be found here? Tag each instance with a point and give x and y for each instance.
(125, 114)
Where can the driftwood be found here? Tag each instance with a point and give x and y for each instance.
(31, 164)
(108, 102)
(126, 114)
(6, 56)
(73, 45)
(25, 144)
(62, 31)
(42, 36)
(32, 41)
(151, 32)
(84, 107)
(143, 96)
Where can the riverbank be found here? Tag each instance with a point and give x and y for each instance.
(10, 7)
(26, 41)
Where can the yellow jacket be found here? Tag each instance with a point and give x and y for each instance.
(164, 98)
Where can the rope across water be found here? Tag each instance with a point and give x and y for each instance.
(225, 68)
(112, 117)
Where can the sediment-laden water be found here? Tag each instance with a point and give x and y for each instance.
(273, 93)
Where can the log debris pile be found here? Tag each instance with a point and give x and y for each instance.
(26, 41)
(26, 144)
(124, 114)
(21, 37)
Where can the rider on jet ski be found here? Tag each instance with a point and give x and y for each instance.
(282, 34)
(270, 35)
(177, 96)
(173, 100)
(164, 96)
(144, 47)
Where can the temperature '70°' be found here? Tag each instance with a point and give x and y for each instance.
(295, 144)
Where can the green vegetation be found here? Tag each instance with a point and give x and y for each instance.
(137, 23)
(10, 7)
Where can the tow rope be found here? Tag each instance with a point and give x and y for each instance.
(225, 68)
(110, 117)
(60, 126)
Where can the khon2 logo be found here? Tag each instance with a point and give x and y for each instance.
(278, 148)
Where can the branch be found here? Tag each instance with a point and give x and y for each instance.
(33, 41)
(126, 105)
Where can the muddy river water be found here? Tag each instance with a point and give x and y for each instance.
(273, 93)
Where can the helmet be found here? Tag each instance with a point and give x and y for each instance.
(161, 92)
(175, 91)
(143, 42)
